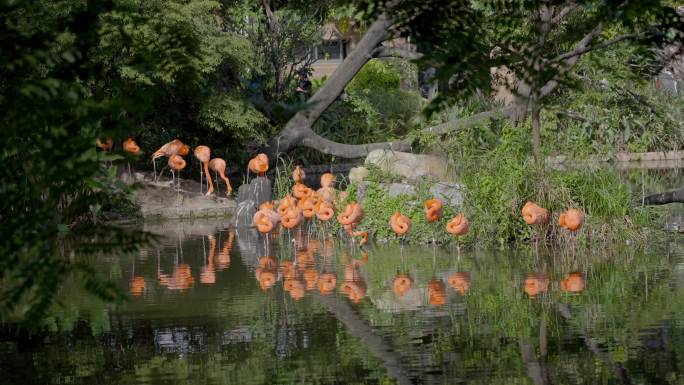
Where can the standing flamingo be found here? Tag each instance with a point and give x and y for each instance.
(327, 190)
(218, 165)
(132, 148)
(203, 154)
(174, 147)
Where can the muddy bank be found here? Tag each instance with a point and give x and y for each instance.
(160, 200)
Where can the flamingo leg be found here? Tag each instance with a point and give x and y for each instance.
(154, 167)
(218, 187)
(201, 179)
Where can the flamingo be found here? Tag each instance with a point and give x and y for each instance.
(571, 219)
(308, 206)
(218, 165)
(285, 203)
(174, 147)
(259, 164)
(131, 147)
(298, 175)
(105, 145)
(203, 154)
(327, 191)
(265, 220)
(400, 224)
(350, 218)
(458, 225)
(176, 163)
(300, 191)
(433, 213)
(293, 217)
(533, 214)
(324, 210)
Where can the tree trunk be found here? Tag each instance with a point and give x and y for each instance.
(536, 131)
(676, 196)
(298, 130)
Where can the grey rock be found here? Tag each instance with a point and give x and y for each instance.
(450, 194)
(410, 166)
(358, 174)
(396, 189)
(362, 190)
(260, 190)
(244, 213)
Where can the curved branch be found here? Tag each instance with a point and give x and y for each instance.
(317, 142)
(385, 52)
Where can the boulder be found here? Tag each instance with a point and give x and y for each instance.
(396, 189)
(451, 194)
(244, 213)
(260, 190)
(410, 166)
(358, 174)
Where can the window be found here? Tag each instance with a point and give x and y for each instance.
(332, 50)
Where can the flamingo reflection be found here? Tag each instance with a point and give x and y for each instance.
(573, 283)
(207, 272)
(535, 284)
(401, 284)
(224, 254)
(137, 286)
(267, 272)
(460, 281)
(436, 292)
(181, 279)
(353, 286)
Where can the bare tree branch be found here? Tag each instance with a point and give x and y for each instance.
(584, 50)
(383, 52)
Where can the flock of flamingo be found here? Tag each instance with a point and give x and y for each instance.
(305, 203)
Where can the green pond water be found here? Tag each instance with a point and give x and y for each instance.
(206, 307)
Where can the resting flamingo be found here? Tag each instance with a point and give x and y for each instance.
(458, 225)
(327, 190)
(573, 283)
(572, 219)
(259, 164)
(298, 175)
(533, 214)
(218, 165)
(174, 147)
(176, 163)
(433, 213)
(203, 154)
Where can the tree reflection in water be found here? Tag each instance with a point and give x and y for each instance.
(321, 313)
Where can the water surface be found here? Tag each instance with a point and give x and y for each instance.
(208, 306)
